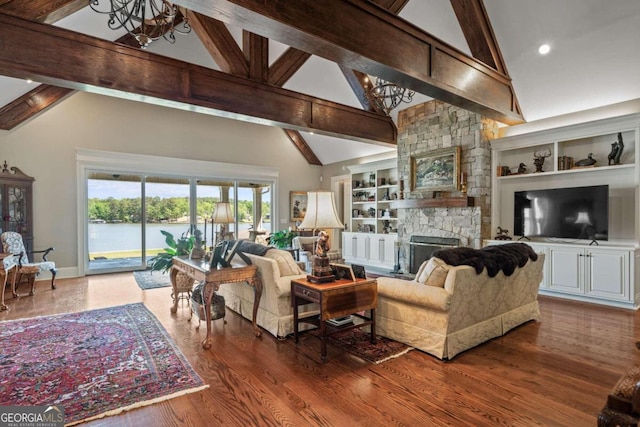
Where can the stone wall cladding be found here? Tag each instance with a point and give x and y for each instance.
(431, 126)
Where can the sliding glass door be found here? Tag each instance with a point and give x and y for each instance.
(127, 212)
(114, 207)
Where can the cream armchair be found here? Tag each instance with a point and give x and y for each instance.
(305, 244)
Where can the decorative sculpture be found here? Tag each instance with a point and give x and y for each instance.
(502, 234)
(588, 161)
(616, 151)
(538, 159)
(522, 168)
(619, 150)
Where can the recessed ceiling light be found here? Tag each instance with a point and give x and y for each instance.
(544, 49)
(29, 81)
(310, 133)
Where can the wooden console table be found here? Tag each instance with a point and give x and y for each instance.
(199, 270)
(336, 299)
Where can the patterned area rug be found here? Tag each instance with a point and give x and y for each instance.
(358, 342)
(152, 280)
(93, 363)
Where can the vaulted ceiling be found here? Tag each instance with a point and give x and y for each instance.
(303, 65)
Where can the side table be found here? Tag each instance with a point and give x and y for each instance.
(336, 299)
(213, 278)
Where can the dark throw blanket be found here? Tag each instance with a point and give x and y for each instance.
(249, 247)
(494, 258)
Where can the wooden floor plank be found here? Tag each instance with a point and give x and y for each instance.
(555, 372)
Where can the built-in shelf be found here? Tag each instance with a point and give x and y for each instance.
(434, 202)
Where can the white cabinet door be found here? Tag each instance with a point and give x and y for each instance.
(389, 258)
(607, 273)
(541, 249)
(566, 269)
(349, 246)
(362, 248)
(376, 248)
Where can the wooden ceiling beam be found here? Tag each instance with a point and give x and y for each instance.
(476, 27)
(44, 11)
(359, 81)
(298, 140)
(250, 61)
(61, 57)
(256, 50)
(477, 30)
(364, 37)
(286, 66)
(217, 39)
(28, 105)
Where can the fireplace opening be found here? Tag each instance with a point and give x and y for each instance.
(421, 248)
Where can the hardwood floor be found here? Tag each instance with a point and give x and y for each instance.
(556, 372)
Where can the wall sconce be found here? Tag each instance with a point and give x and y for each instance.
(463, 182)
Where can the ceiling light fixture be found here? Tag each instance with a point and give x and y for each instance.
(544, 49)
(388, 96)
(145, 20)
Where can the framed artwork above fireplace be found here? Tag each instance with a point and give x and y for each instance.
(437, 170)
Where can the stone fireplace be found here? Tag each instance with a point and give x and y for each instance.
(435, 125)
(421, 249)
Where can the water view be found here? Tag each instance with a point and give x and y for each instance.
(104, 238)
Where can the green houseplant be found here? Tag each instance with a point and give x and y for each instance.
(282, 238)
(180, 247)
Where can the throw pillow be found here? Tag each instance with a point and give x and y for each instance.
(286, 264)
(434, 273)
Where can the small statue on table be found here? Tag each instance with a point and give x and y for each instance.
(321, 271)
(503, 234)
(198, 251)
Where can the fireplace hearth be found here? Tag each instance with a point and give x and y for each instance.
(421, 248)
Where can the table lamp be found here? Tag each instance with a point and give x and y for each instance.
(321, 213)
(221, 215)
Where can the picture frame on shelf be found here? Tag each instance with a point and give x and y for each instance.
(297, 205)
(437, 170)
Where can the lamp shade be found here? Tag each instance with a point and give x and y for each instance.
(583, 218)
(222, 213)
(321, 211)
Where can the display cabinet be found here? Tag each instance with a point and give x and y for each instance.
(16, 203)
(373, 224)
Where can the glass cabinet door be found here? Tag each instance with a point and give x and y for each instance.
(17, 209)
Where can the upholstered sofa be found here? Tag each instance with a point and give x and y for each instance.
(276, 269)
(448, 309)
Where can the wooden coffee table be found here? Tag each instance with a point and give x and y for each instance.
(336, 299)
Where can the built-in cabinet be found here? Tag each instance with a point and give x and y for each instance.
(377, 250)
(602, 274)
(16, 201)
(609, 272)
(373, 225)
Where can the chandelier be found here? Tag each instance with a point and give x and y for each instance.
(145, 20)
(388, 96)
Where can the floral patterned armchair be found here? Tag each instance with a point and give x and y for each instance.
(27, 269)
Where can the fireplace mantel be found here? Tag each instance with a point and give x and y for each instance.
(434, 202)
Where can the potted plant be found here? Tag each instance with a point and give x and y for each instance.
(182, 246)
(282, 239)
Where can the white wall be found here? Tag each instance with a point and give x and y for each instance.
(45, 148)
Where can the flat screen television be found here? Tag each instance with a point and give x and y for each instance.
(570, 213)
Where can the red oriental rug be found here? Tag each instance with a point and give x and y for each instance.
(358, 342)
(93, 363)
